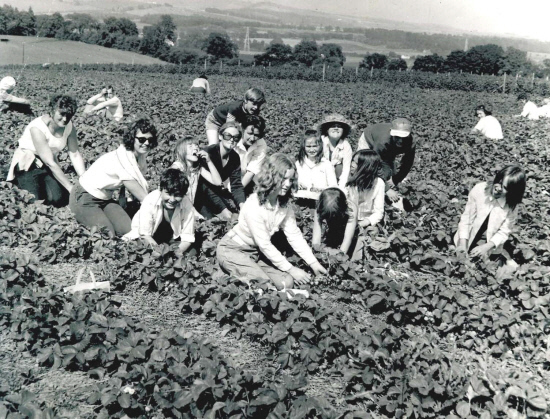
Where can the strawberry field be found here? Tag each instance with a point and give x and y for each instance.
(411, 331)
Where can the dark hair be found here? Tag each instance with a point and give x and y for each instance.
(203, 76)
(255, 95)
(523, 96)
(111, 88)
(332, 207)
(63, 103)
(256, 121)
(271, 176)
(174, 182)
(310, 133)
(486, 110)
(515, 188)
(143, 124)
(368, 164)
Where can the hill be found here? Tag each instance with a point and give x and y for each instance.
(49, 50)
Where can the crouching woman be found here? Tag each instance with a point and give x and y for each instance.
(246, 251)
(166, 214)
(490, 215)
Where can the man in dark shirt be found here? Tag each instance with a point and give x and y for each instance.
(389, 141)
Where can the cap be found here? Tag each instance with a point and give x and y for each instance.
(400, 127)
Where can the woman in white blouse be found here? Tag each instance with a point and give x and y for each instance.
(246, 251)
(201, 85)
(315, 173)
(91, 201)
(488, 125)
(35, 166)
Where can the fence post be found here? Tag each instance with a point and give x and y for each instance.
(371, 71)
(341, 70)
(533, 80)
(324, 70)
(504, 85)
(356, 70)
(221, 65)
(205, 64)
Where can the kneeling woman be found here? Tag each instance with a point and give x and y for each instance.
(35, 167)
(490, 215)
(92, 201)
(166, 214)
(246, 251)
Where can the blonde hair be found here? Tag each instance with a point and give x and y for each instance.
(180, 150)
(272, 175)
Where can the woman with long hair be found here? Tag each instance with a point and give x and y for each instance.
(490, 214)
(246, 251)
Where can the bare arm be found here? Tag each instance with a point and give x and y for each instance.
(15, 99)
(247, 178)
(112, 101)
(316, 238)
(135, 189)
(350, 229)
(94, 99)
(74, 153)
(211, 175)
(45, 154)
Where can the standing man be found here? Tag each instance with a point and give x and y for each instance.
(389, 140)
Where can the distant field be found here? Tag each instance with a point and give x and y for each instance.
(48, 50)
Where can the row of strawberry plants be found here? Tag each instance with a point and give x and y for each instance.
(295, 340)
(147, 371)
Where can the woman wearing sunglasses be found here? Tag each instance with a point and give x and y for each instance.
(490, 215)
(212, 200)
(91, 201)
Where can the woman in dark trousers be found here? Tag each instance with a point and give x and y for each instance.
(35, 167)
(218, 201)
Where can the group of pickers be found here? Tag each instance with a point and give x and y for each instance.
(235, 177)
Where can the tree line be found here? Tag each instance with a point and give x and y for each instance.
(159, 40)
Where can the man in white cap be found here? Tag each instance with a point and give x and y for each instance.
(389, 140)
(7, 100)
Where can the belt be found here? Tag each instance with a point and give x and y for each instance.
(236, 238)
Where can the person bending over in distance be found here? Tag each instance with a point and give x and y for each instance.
(488, 125)
(201, 85)
(334, 129)
(195, 163)
(334, 222)
(530, 109)
(315, 172)
(233, 111)
(490, 215)
(35, 166)
(219, 200)
(252, 150)
(92, 200)
(105, 103)
(166, 214)
(246, 251)
(390, 140)
(10, 102)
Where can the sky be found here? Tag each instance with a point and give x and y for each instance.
(526, 18)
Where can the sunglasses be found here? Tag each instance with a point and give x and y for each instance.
(143, 140)
(228, 137)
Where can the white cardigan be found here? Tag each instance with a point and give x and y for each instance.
(479, 206)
